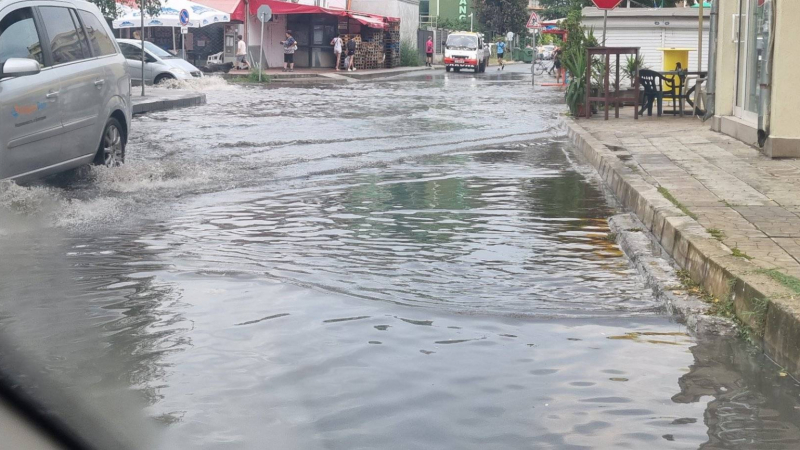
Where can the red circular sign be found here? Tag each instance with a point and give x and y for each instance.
(607, 4)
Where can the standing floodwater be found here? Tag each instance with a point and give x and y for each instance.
(376, 265)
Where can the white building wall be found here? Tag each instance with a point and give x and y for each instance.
(274, 33)
(651, 30)
(406, 10)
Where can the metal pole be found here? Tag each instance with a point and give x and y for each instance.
(141, 16)
(471, 19)
(605, 24)
(700, 39)
(174, 46)
(183, 45)
(261, 49)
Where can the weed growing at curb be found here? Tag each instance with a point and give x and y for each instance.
(740, 254)
(787, 281)
(611, 237)
(663, 191)
(694, 288)
(716, 233)
(634, 230)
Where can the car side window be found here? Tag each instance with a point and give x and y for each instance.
(66, 43)
(101, 43)
(130, 51)
(19, 37)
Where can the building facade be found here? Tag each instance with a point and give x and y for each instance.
(757, 62)
(406, 10)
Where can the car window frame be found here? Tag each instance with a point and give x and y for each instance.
(44, 41)
(102, 22)
(49, 50)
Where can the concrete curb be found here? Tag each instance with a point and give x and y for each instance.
(147, 105)
(708, 261)
(660, 275)
(373, 75)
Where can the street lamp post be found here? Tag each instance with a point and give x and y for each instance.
(141, 16)
(471, 20)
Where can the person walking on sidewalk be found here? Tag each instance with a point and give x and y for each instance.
(501, 50)
(429, 51)
(351, 53)
(337, 50)
(289, 47)
(241, 54)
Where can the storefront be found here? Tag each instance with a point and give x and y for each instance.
(314, 27)
(752, 40)
(758, 59)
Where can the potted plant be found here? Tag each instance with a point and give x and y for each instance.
(632, 65)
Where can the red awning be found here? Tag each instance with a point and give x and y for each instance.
(368, 20)
(280, 7)
(233, 7)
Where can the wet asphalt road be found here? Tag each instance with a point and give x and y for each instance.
(412, 263)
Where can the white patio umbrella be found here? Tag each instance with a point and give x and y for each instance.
(199, 15)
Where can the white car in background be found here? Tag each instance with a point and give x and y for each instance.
(160, 65)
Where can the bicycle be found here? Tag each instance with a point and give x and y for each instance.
(541, 66)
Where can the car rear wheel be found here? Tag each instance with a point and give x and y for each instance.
(112, 145)
(447, 69)
(457, 69)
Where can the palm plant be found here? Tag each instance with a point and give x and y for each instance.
(575, 96)
(632, 65)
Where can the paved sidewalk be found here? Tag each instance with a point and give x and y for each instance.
(722, 210)
(729, 186)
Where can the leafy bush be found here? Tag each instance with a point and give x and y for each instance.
(409, 55)
(252, 77)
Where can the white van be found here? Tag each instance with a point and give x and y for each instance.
(65, 94)
(466, 50)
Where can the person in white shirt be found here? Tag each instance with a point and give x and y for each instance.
(337, 50)
(241, 54)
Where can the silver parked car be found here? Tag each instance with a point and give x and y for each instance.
(65, 94)
(160, 65)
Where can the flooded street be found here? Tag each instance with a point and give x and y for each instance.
(408, 264)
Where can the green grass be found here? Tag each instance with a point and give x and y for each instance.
(634, 230)
(716, 233)
(675, 202)
(740, 254)
(409, 55)
(787, 281)
(611, 237)
(252, 77)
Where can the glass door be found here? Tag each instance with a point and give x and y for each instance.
(752, 37)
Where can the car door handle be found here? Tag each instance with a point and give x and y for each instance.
(52, 95)
(100, 83)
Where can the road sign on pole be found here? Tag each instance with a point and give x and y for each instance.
(264, 14)
(533, 22)
(184, 17)
(606, 4)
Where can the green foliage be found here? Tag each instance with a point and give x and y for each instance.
(502, 16)
(109, 7)
(740, 254)
(557, 9)
(632, 65)
(460, 25)
(575, 95)
(252, 77)
(667, 195)
(409, 55)
(716, 233)
(788, 281)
